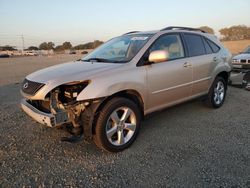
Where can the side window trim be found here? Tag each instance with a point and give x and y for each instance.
(142, 62)
(208, 40)
(205, 41)
(186, 52)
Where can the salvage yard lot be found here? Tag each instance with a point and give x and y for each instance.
(184, 146)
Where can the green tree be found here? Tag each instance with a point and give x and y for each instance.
(46, 46)
(32, 48)
(96, 43)
(43, 46)
(207, 29)
(67, 45)
(89, 45)
(7, 48)
(237, 32)
(51, 45)
(59, 48)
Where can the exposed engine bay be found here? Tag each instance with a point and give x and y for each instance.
(76, 116)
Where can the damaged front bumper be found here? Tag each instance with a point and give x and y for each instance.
(61, 107)
(79, 116)
(47, 119)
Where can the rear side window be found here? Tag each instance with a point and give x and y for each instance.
(214, 47)
(195, 45)
(207, 47)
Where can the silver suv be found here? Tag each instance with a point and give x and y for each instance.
(105, 95)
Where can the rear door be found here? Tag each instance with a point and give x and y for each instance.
(201, 57)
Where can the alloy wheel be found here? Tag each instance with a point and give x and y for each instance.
(121, 126)
(219, 92)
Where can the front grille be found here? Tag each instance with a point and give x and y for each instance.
(43, 106)
(243, 60)
(30, 87)
(248, 60)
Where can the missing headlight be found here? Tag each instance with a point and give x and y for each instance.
(70, 91)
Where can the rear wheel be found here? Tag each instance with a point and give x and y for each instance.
(117, 125)
(217, 93)
(248, 87)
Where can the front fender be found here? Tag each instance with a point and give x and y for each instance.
(130, 78)
(100, 90)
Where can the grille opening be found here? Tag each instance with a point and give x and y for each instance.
(43, 106)
(30, 87)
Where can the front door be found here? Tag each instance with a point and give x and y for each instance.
(169, 82)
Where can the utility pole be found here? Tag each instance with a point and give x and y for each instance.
(22, 43)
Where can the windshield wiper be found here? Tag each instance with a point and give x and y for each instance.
(99, 60)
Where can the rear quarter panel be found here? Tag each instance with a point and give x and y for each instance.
(224, 63)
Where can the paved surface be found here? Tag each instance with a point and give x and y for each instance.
(188, 145)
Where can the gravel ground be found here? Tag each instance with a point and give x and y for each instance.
(188, 145)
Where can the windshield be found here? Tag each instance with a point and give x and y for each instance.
(247, 50)
(119, 50)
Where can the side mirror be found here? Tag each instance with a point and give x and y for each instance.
(158, 56)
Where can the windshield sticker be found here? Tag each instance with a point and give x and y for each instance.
(139, 38)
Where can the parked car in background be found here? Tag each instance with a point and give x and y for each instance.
(4, 55)
(241, 68)
(107, 93)
(84, 52)
(30, 53)
(242, 60)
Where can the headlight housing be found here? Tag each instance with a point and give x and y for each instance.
(70, 91)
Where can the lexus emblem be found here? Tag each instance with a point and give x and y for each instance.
(25, 86)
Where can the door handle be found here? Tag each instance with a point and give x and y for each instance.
(215, 59)
(186, 64)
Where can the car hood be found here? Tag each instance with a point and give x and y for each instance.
(72, 71)
(242, 56)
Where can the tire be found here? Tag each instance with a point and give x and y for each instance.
(248, 87)
(117, 125)
(217, 93)
(246, 80)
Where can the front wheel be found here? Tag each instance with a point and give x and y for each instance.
(217, 93)
(117, 125)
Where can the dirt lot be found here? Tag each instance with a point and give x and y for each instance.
(188, 145)
(13, 70)
(236, 47)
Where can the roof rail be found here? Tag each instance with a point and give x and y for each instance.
(182, 28)
(130, 32)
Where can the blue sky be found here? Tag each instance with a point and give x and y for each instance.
(80, 21)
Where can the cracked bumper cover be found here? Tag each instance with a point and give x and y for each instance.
(47, 119)
(58, 119)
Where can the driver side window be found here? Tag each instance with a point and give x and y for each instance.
(171, 43)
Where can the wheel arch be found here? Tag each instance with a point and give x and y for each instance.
(130, 94)
(225, 75)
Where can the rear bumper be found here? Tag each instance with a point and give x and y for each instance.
(39, 116)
